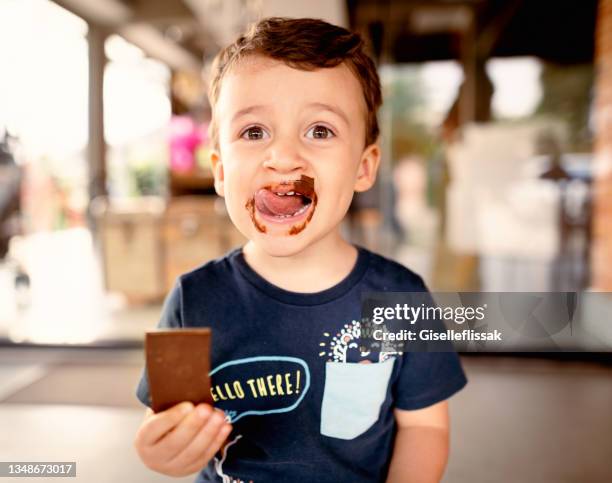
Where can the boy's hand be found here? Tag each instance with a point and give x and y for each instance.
(181, 440)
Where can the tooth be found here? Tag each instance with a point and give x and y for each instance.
(280, 194)
(291, 193)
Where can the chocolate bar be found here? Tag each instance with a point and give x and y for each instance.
(178, 366)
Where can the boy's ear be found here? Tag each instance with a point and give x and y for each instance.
(217, 168)
(368, 167)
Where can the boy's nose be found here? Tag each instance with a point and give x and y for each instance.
(284, 157)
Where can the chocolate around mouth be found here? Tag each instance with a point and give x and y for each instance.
(304, 186)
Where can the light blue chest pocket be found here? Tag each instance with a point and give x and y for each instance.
(352, 397)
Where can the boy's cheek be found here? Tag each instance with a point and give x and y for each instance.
(238, 214)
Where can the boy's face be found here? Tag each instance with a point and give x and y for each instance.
(291, 151)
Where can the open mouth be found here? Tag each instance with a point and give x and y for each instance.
(281, 203)
(289, 203)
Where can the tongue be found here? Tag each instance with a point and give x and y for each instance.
(270, 203)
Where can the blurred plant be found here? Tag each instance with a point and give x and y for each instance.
(405, 97)
(147, 178)
(567, 94)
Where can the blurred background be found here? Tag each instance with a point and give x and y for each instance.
(497, 176)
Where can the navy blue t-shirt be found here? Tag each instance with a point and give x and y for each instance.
(285, 371)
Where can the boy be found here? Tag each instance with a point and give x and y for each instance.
(294, 126)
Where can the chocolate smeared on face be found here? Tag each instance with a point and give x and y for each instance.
(295, 229)
(281, 202)
(250, 206)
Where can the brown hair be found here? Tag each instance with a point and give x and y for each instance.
(305, 44)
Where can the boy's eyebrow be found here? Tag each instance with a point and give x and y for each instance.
(331, 108)
(314, 105)
(248, 110)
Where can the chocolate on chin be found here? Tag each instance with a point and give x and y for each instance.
(178, 366)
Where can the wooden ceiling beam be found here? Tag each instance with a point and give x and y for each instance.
(119, 18)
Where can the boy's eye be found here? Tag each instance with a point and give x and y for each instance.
(253, 133)
(319, 132)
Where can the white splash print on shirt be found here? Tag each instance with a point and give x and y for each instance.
(337, 346)
(219, 462)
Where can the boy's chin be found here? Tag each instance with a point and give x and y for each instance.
(284, 246)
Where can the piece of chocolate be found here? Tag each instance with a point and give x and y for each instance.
(178, 366)
(305, 185)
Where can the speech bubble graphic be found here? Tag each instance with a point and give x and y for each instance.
(259, 385)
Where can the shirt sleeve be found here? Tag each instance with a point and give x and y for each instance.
(171, 318)
(428, 376)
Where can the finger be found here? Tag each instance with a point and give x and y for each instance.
(178, 439)
(201, 441)
(208, 454)
(159, 424)
(206, 437)
(218, 442)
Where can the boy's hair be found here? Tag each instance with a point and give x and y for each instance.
(305, 44)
